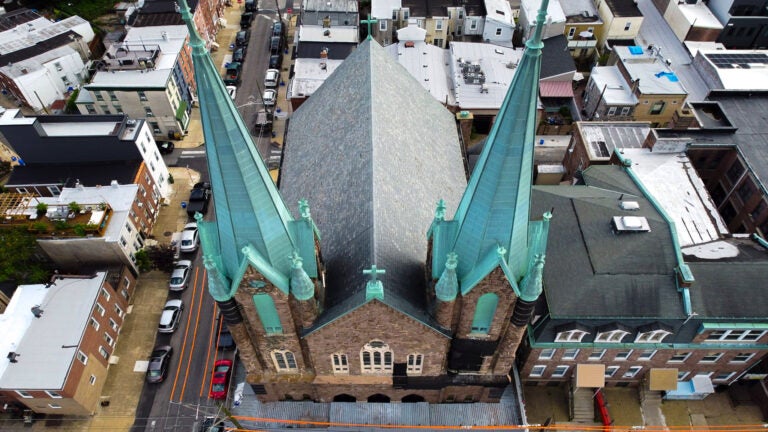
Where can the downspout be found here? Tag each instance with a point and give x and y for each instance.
(682, 270)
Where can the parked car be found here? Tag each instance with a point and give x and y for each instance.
(250, 6)
(242, 38)
(239, 54)
(226, 341)
(165, 147)
(275, 44)
(270, 97)
(246, 19)
(198, 201)
(263, 123)
(220, 382)
(275, 60)
(232, 74)
(277, 29)
(171, 316)
(232, 91)
(159, 361)
(190, 239)
(180, 275)
(271, 78)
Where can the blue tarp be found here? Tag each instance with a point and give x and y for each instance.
(635, 50)
(670, 76)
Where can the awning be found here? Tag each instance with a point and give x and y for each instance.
(663, 379)
(556, 89)
(590, 375)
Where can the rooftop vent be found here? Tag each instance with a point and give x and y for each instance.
(12, 357)
(629, 205)
(114, 184)
(37, 312)
(622, 224)
(472, 72)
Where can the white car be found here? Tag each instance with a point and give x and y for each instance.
(271, 78)
(171, 316)
(232, 90)
(190, 239)
(180, 275)
(270, 97)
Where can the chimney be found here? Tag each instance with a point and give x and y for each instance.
(36, 311)
(324, 53)
(12, 357)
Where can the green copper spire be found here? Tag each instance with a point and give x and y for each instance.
(495, 208)
(531, 287)
(369, 21)
(301, 285)
(447, 286)
(249, 210)
(374, 289)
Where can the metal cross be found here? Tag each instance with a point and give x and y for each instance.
(369, 21)
(373, 272)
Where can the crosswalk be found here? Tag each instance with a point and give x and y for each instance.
(191, 153)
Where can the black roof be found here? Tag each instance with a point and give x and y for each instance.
(336, 50)
(12, 19)
(39, 48)
(159, 13)
(67, 175)
(555, 57)
(624, 8)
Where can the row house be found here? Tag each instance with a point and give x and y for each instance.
(621, 21)
(58, 340)
(328, 14)
(691, 20)
(578, 20)
(43, 61)
(745, 23)
(207, 14)
(148, 77)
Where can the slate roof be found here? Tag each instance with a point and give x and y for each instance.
(555, 57)
(592, 272)
(372, 151)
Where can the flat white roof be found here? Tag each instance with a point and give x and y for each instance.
(655, 78)
(315, 33)
(554, 10)
(617, 91)
(330, 5)
(427, 64)
(170, 45)
(683, 196)
(79, 128)
(601, 139)
(30, 33)
(739, 69)
(694, 47)
(699, 15)
(383, 8)
(13, 117)
(157, 78)
(500, 11)
(576, 7)
(308, 75)
(494, 61)
(48, 344)
(35, 63)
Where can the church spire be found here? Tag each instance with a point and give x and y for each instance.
(249, 210)
(495, 208)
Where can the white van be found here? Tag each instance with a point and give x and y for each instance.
(271, 78)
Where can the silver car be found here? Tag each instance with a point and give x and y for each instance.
(171, 316)
(190, 239)
(180, 275)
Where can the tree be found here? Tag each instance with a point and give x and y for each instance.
(155, 257)
(18, 258)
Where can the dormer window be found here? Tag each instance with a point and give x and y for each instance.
(572, 332)
(652, 333)
(613, 333)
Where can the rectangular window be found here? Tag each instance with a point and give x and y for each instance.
(570, 354)
(546, 354)
(610, 371)
(82, 357)
(112, 95)
(612, 111)
(148, 112)
(681, 375)
(119, 311)
(597, 354)
(54, 190)
(105, 109)
(415, 362)
(406, 13)
(571, 32)
(394, 15)
(560, 371)
(109, 339)
(54, 406)
(711, 357)
(632, 371)
(498, 31)
(92, 380)
(657, 108)
(679, 357)
(142, 96)
(473, 25)
(340, 363)
(93, 323)
(627, 26)
(625, 111)
(103, 352)
(100, 309)
(438, 24)
(119, 109)
(113, 324)
(735, 335)
(383, 25)
(623, 355)
(538, 370)
(155, 127)
(723, 376)
(646, 355)
(53, 394)
(24, 394)
(105, 294)
(99, 97)
(742, 357)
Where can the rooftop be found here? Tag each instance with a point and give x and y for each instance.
(555, 12)
(497, 65)
(46, 345)
(624, 8)
(738, 69)
(42, 55)
(383, 8)
(699, 15)
(602, 138)
(309, 74)
(427, 63)
(499, 10)
(331, 5)
(33, 32)
(573, 8)
(655, 78)
(130, 79)
(615, 90)
(313, 33)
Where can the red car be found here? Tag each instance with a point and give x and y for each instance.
(220, 381)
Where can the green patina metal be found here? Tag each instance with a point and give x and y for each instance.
(447, 286)
(301, 285)
(532, 286)
(374, 289)
(369, 21)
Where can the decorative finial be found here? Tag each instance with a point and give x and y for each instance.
(440, 210)
(302, 286)
(296, 260)
(374, 289)
(541, 20)
(304, 209)
(447, 286)
(369, 21)
(532, 284)
(501, 251)
(195, 41)
(374, 272)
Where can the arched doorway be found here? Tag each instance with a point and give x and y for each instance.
(344, 398)
(378, 398)
(412, 398)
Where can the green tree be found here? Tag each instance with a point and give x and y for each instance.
(18, 260)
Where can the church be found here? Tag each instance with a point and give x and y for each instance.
(377, 271)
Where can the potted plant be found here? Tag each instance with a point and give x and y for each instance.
(74, 207)
(42, 209)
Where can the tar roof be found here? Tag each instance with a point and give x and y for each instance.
(601, 139)
(555, 58)
(631, 275)
(386, 151)
(48, 346)
(100, 173)
(624, 8)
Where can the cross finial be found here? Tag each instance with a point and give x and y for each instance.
(369, 21)
(440, 210)
(374, 272)
(296, 261)
(304, 209)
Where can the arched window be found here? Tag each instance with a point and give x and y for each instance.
(284, 361)
(265, 306)
(376, 357)
(484, 311)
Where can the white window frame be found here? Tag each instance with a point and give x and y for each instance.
(82, 357)
(571, 336)
(93, 323)
(380, 358)
(415, 363)
(681, 375)
(600, 354)
(628, 26)
(557, 374)
(114, 325)
(439, 25)
(284, 360)
(103, 352)
(547, 354)
(614, 336)
(498, 31)
(646, 355)
(570, 353)
(610, 371)
(713, 358)
(53, 394)
(340, 363)
(611, 112)
(24, 394)
(623, 357)
(672, 359)
(54, 406)
(632, 372)
(727, 378)
(625, 110)
(744, 337)
(100, 309)
(109, 339)
(571, 32)
(92, 380)
(383, 25)
(748, 358)
(119, 311)
(537, 371)
(105, 294)
(654, 336)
